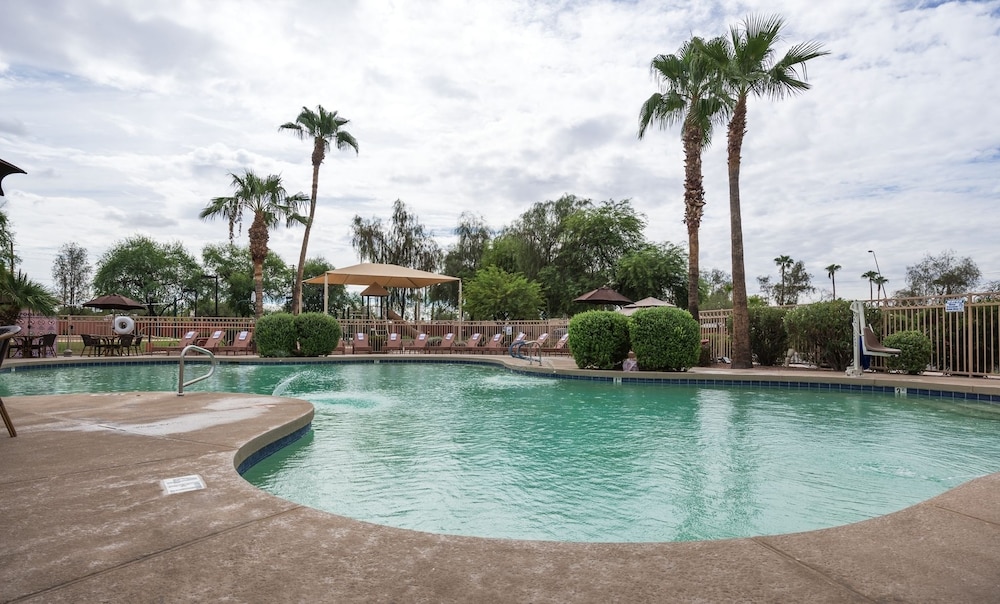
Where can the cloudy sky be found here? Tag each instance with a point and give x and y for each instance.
(129, 115)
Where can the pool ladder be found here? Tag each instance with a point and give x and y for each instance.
(533, 346)
(181, 384)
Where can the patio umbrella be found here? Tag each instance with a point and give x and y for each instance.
(115, 302)
(7, 168)
(628, 309)
(603, 295)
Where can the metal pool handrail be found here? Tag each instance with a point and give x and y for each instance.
(181, 384)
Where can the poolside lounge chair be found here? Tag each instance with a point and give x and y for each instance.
(495, 345)
(394, 342)
(6, 333)
(472, 345)
(190, 337)
(446, 343)
(560, 346)
(361, 343)
(419, 343)
(242, 343)
(214, 341)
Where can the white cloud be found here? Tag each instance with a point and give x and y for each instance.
(128, 117)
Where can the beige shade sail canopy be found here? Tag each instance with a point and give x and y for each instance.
(385, 275)
(628, 309)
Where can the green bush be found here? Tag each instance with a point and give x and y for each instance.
(318, 334)
(915, 350)
(598, 339)
(665, 339)
(275, 335)
(824, 329)
(768, 336)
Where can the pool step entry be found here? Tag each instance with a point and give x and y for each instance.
(181, 384)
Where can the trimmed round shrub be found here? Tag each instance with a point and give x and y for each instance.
(915, 351)
(823, 329)
(275, 335)
(768, 336)
(665, 339)
(598, 339)
(318, 334)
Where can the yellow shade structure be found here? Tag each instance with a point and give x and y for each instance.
(385, 275)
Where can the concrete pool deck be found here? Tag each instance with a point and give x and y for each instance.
(86, 519)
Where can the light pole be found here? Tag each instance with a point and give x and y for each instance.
(877, 269)
(216, 277)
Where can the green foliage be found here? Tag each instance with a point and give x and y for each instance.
(147, 271)
(665, 339)
(317, 334)
(494, 294)
(943, 274)
(825, 329)
(915, 350)
(275, 335)
(312, 295)
(659, 271)
(232, 264)
(599, 339)
(18, 292)
(768, 336)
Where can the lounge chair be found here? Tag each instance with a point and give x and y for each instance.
(242, 343)
(495, 345)
(419, 343)
(361, 343)
(6, 333)
(446, 343)
(214, 341)
(394, 342)
(190, 337)
(472, 345)
(559, 347)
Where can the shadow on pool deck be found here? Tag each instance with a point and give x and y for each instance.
(85, 519)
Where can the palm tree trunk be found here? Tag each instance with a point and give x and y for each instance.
(741, 358)
(833, 279)
(694, 202)
(318, 154)
(258, 253)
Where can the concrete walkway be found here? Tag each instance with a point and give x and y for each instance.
(86, 519)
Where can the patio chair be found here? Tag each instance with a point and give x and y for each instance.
(394, 342)
(136, 346)
(419, 343)
(94, 343)
(361, 343)
(242, 343)
(44, 346)
(446, 343)
(6, 333)
(120, 345)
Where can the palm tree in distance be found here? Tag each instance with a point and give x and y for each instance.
(830, 272)
(748, 66)
(880, 282)
(267, 201)
(325, 129)
(784, 263)
(871, 276)
(692, 95)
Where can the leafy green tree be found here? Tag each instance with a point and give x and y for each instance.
(496, 295)
(232, 264)
(831, 272)
(748, 66)
(463, 259)
(943, 274)
(71, 271)
(312, 296)
(653, 270)
(404, 242)
(145, 270)
(19, 293)
(9, 258)
(795, 281)
(691, 94)
(539, 233)
(269, 203)
(596, 237)
(325, 128)
(717, 290)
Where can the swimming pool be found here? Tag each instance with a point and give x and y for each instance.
(480, 451)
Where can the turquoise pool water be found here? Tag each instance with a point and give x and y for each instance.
(474, 450)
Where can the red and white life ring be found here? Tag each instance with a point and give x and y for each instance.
(124, 325)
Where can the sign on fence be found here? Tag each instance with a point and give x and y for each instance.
(955, 305)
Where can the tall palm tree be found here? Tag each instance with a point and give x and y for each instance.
(880, 282)
(267, 201)
(692, 95)
(324, 128)
(871, 276)
(830, 272)
(748, 66)
(784, 263)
